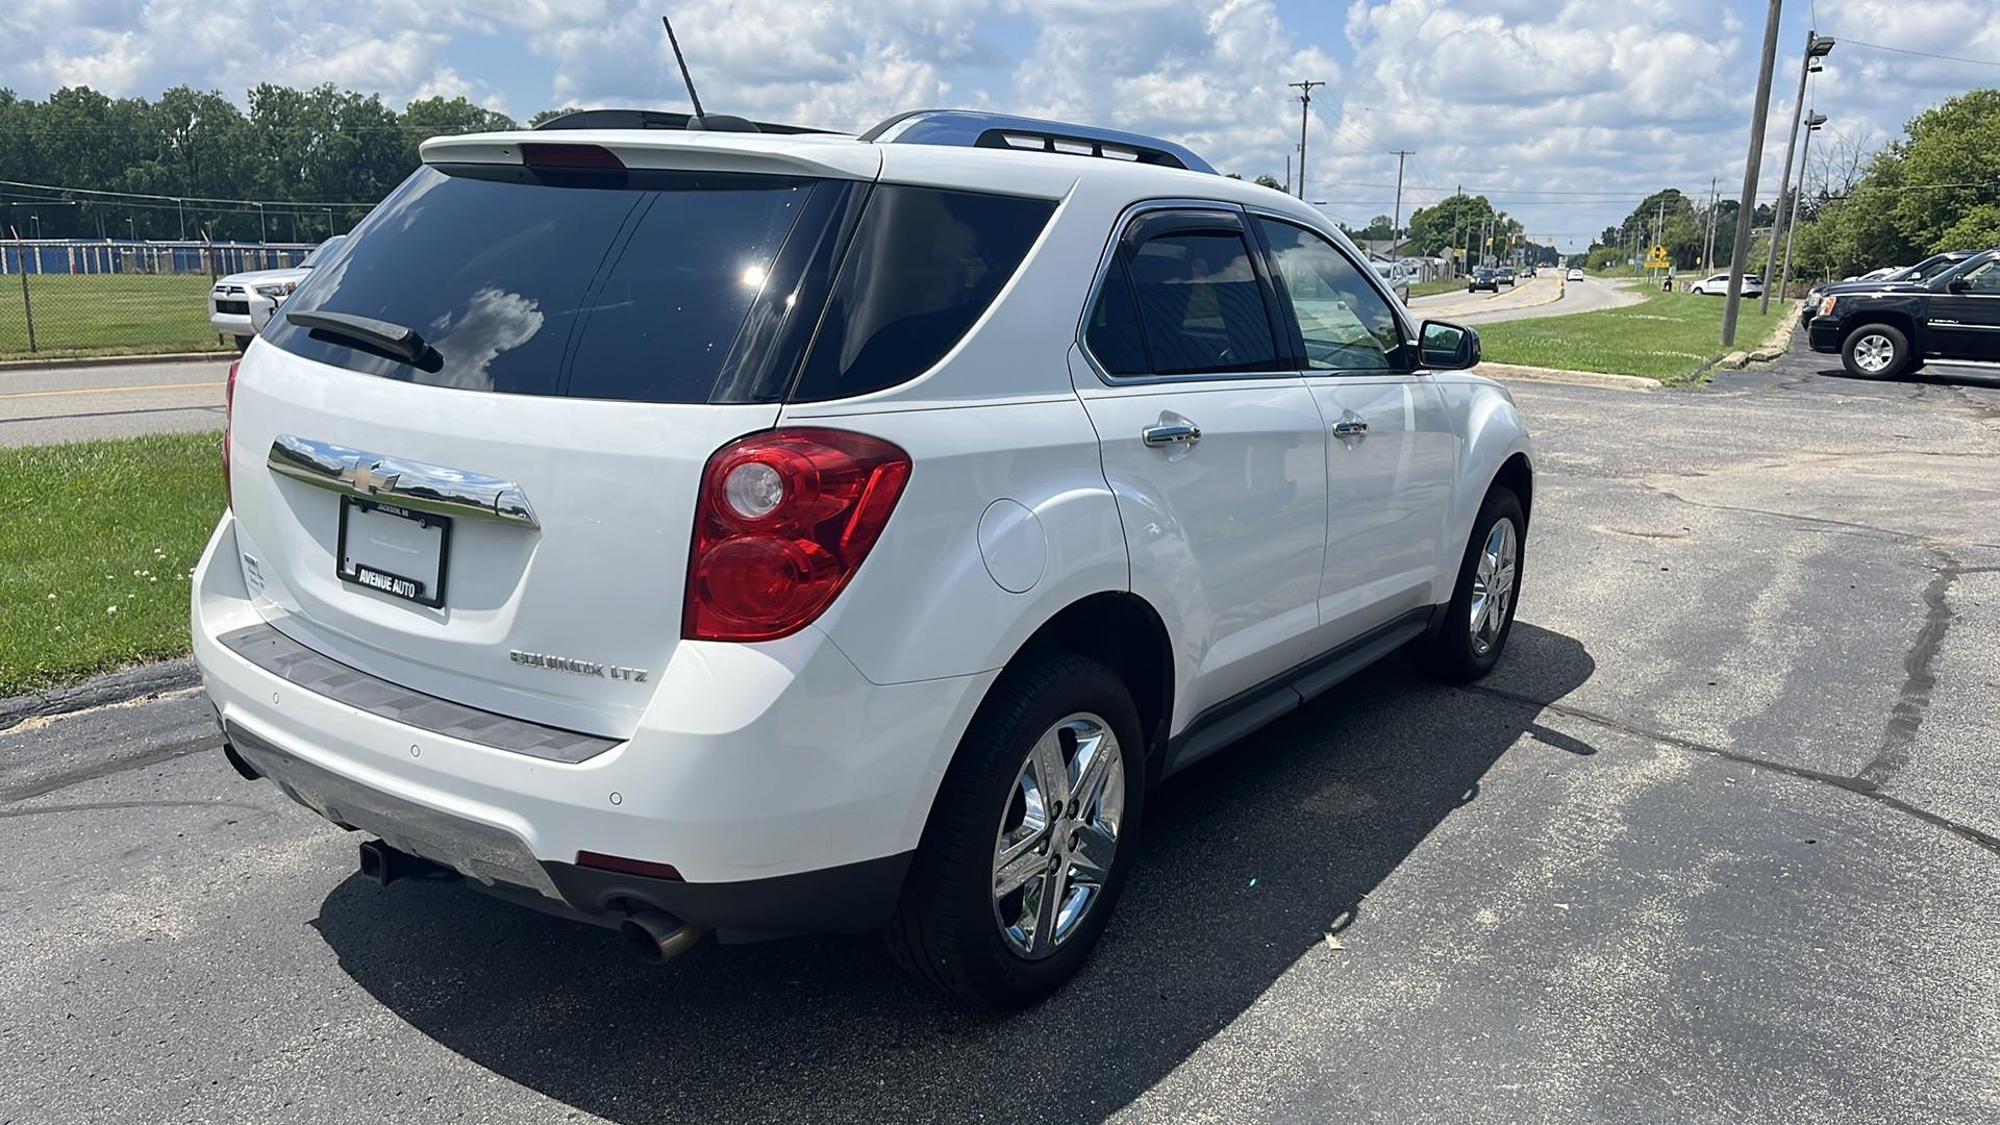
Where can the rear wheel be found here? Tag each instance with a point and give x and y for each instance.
(1481, 613)
(243, 343)
(1031, 839)
(1875, 351)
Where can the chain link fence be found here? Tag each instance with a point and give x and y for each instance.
(64, 297)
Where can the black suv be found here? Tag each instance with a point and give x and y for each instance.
(1483, 278)
(1893, 331)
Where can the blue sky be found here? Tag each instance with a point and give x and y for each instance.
(1566, 112)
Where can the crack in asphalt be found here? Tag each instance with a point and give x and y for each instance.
(1899, 731)
(1856, 785)
(1820, 521)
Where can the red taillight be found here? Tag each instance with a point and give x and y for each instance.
(626, 866)
(783, 521)
(228, 421)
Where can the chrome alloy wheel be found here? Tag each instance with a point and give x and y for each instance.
(1873, 353)
(1493, 585)
(1058, 834)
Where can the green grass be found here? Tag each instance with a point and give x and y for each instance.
(1432, 288)
(96, 541)
(1668, 336)
(106, 314)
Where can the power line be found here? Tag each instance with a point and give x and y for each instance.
(190, 198)
(1920, 54)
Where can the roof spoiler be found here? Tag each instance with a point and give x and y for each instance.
(666, 119)
(970, 129)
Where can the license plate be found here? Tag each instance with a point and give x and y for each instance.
(394, 550)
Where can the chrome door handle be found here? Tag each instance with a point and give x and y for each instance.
(1350, 427)
(1170, 433)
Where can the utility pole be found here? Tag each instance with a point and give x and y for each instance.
(1816, 48)
(1305, 90)
(1396, 222)
(1740, 253)
(1457, 213)
(1288, 173)
(1708, 251)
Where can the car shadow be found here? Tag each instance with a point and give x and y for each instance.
(1249, 860)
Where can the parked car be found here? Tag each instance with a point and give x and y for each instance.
(1483, 278)
(239, 304)
(1907, 279)
(1717, 285)
(1885, 333)
(863, 569)
(1574, 274)
(1395, 279)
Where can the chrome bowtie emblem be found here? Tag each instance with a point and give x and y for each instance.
(364, 478)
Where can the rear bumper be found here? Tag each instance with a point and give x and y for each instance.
(794, 810)
(1823, 334)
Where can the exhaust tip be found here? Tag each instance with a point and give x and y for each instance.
(655, 936)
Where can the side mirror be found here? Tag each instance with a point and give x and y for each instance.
(1447, 347)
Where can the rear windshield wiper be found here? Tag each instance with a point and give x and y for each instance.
(378, 335)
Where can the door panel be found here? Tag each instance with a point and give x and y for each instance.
(1391, 451)
(1388, 492)
(1966, 325)
(1227, 535)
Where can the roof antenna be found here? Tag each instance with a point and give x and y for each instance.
(685, 76)
(721, 122)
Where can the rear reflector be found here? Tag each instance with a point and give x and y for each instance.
(594, 157)
(625, 866)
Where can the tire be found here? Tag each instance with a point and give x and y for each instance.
(1460, 650)
(243, 344)
(1875, 351)
(948, 926)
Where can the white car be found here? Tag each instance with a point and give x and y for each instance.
(1573, 275)
(1394, 278)
(1717, 285)
(752, 533)
(240, 304)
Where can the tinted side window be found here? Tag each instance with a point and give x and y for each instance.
(1114, 333)
(1201, 305)
(1345, 324)
(923, 265)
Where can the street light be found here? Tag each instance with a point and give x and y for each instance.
(1813, 124)
(1817, 47)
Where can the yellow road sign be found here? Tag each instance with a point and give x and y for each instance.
(1657, 259)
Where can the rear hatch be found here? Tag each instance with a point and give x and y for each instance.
(466, 457)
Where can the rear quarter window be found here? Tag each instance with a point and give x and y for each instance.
(924, 264)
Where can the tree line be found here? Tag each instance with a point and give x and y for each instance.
(1936, 187)
(321, 156)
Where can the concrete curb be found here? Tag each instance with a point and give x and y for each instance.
(1776, 344)
(114, 687)
(60, 362)
(1557, 375)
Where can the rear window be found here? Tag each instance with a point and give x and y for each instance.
(634, 290)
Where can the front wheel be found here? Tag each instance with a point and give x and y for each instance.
(1875, 351)
(1031, 838)
(1480, 615)
(242, 344)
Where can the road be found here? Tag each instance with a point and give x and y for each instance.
(1719, 841)
(40, 406)
(1536, 296)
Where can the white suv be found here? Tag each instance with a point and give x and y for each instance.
(692, 530)
(239, 304)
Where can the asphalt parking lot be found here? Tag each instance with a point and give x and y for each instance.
(1720, 841)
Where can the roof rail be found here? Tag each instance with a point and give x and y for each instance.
(971, 129)
(657, 119)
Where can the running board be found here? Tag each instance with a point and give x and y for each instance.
(1245, 712)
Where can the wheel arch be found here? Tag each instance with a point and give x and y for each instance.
(1517, 475)
(1124, 632)
(1897, 319)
